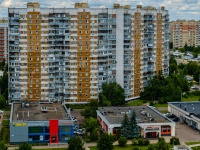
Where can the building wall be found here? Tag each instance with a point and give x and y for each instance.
(74, 51)
(20, 132)
(184, 32)
(3, 39)
(108, 127)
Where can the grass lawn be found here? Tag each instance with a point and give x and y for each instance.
(127, 147)
(192, 143)
(160, 105)
(163, 111)
(196, 148)
(136, 102)
(191, 98)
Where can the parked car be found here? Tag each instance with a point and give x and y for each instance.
(74, 118)
(176, 119)
(81, 131)
(1, 111)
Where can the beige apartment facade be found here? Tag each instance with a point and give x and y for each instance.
(185, 32)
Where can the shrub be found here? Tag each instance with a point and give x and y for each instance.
(146, 142)
(174, 141)
(140, 141)
(134, 141)
(136, 148)
(122, 141)
(151, 103)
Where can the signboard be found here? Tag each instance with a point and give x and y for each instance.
(35, 124)
(19, 124)
(152, 128)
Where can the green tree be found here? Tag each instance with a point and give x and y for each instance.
(192, 67)
(105, 142)
(151, 147)
(91, 124)
(94, 135)
(25, 146)
(3, 146)
(129, 127)
(113, 93)
(2, 65)
(75, 143)
(4, 84)
(90, 109)
(174, 141)
(162, 144)
(2, 102)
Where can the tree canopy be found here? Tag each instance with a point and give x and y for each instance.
(75, 143)
(167, 89)
(105, 142)
(2, 102)
(112, 94)
(90, 109)
(3, 146)
(25, 146)
(129, 127)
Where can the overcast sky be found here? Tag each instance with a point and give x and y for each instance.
(178, 9)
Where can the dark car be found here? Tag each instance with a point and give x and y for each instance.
(176, 119)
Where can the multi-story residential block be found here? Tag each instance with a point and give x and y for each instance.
(3, 39)
(68, 53)
(185, 32)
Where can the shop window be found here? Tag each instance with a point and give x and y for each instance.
(65, 137)
(65, 128)
(35, 129)
(46, 138)
(34, 137)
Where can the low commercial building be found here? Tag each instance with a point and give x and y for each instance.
(187, 112)
(40, 123)
(151, 122)
(181, 147)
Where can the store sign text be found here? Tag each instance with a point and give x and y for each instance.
(19, 124)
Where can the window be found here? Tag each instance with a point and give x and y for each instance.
(35, 129)
(65, 128)
(34, 137)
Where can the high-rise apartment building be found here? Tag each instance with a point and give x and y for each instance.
(3, 39)
(185, 32)
(68, 53)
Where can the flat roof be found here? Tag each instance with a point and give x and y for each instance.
(39, 112)
(189, 107)
(143, 114)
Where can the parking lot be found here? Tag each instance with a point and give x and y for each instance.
(186, 133)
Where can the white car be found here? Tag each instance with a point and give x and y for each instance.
(1, 111)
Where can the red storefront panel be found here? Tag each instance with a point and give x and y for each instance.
(53, 131)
